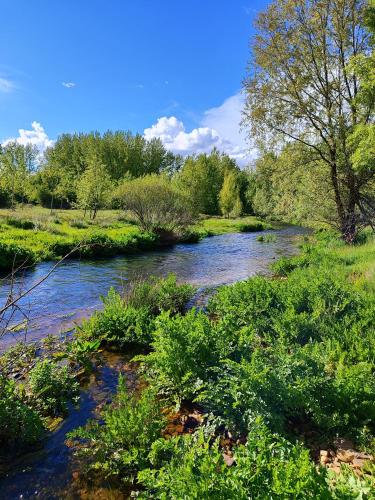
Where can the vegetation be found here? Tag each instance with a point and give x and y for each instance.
(272, 363)
(310, 84)
(30, 235)
(129, 321)
(156, 204)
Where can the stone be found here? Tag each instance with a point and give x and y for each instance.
(358, 463)
(345, 455)
(228, 459)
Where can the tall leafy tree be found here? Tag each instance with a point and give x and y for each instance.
(301, 88)
(94, 187)
(202, 177)
(229, 196)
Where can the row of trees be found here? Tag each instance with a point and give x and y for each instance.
(86, 171)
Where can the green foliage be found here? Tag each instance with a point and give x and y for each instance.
(160, 294)
(51, 388)
(119, 323)
(193, 467)
(20, 223)
(229, 196)
(267, 238)
(94, 187)
(121, 444)
(184, 347)
(19, 424)
(129, 321)
(12, 255)
(155, 203)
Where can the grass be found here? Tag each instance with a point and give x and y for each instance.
(33, 234)
(220, 225)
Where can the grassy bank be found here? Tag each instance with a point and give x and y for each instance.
(273, 384)
(34, 234)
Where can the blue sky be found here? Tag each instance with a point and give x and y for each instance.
(125, 65)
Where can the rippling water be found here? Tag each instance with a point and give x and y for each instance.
(73, 290)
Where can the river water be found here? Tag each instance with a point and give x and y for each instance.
(72, 292)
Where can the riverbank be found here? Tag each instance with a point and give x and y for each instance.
(271, 362)
(31, 235)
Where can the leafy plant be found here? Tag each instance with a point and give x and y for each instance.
(120, 445)
(51, 387)
(19, 424)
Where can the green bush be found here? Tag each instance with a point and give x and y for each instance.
(184, 348)
(121, 443)
(268, 466)
(19, 424)
(160, 294)
(129, 321)
(51, 388)
(13, 255)
(20, 223)
(118, 323)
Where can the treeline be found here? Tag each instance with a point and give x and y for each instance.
(88, 171)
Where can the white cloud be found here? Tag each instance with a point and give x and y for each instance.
(6, 85)
(36, 136)
(220, 128)
(68, 85)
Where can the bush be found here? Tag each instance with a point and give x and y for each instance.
(19, 424)
(13, 255)
(122, 442)
(118, 323)
(268, 466)
(184, 349)
(78, 223)
(20, 223)
(51, 388)
(160, 294)
(129, 321)
(155, 203)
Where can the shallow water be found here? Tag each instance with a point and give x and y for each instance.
(72, 291)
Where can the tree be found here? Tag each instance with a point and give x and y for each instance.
(202, 177)
(156, 203)
(229, 196)
(17, 164)
(301, 88)
(94, 186)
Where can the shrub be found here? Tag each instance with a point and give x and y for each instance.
(155, 203)
(78, 223)
(184, 349)
(119, 324)
(13, 255)
(19, 424)
(252, 227)
(268, 466)
(160, 294)
(129, 321)
(122, 442)
(51, 388)
(20, 223)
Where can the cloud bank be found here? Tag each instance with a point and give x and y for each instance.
(36, 136)
(220, 127)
